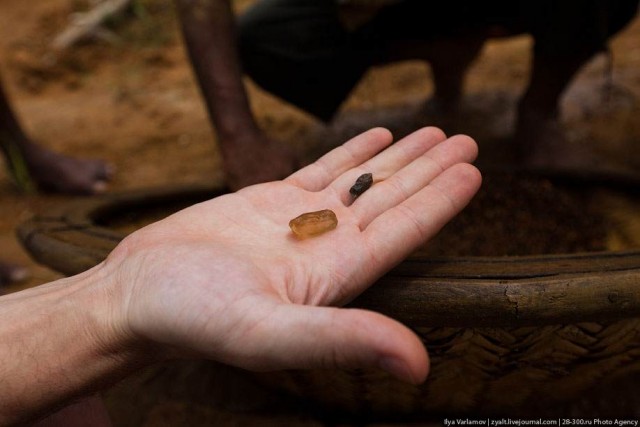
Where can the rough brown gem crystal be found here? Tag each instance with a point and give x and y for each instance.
(362, 184)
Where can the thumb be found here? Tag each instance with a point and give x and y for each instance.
(327, 337)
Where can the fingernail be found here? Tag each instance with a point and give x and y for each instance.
(397, 368)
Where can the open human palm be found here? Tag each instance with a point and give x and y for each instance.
(228, 280)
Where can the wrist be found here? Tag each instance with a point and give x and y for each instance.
(234, 131)
(105, 304)
(241, 143)
(76, 342)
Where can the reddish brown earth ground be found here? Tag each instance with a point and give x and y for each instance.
(135, 103)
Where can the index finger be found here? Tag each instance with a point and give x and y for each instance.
(352, 153)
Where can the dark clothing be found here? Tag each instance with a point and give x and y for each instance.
(301, 51)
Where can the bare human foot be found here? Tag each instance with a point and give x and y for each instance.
(12, 273)
(35, 166)
(543, 147)
(56, 172)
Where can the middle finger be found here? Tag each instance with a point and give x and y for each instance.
(389, 161)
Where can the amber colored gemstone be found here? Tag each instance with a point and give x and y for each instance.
(313, 223)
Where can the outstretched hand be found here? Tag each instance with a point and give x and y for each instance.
(227, 280)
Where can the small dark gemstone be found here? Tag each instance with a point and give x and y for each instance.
(362, 184)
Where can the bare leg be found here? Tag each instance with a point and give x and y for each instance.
(537, 134)
(35, 166)
(449, 60)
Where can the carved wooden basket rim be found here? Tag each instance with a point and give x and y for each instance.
(430, 292)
